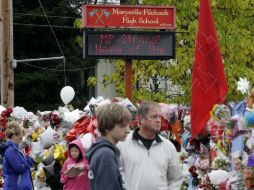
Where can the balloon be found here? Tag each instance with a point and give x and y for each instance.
(87, 140)
(249, 119)
(36, 149)
(67, 94)
(49, 169)
(48, 160)
(47, 138)
(218, 176)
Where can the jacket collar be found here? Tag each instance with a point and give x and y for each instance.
(12, 144)
(135, 136)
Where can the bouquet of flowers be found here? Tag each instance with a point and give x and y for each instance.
(222, 114)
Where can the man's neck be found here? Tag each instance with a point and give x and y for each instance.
(146, 134)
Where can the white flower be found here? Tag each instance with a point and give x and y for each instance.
(243, 85)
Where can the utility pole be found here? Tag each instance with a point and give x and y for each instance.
(6, 53)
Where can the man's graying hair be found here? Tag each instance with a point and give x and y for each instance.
(145, 107)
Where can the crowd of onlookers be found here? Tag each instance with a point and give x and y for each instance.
(119, 158)
(110, 156)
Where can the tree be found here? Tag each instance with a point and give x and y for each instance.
(170, 81)
(38, 85)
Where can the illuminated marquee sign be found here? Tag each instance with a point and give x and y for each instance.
(129, 44)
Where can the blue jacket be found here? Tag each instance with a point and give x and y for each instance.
(105, 171)
(16, 169)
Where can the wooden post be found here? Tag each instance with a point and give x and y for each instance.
(128, 79)
(7, 72)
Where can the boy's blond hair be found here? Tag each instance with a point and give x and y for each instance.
(108, 115)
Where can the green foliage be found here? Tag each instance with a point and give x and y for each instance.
(78, 23)
(91, 81)
(233, 20)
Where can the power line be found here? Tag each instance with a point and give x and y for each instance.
(51, 28)
(51, 16)
(58, 70)
(45, 25)
(55, 38)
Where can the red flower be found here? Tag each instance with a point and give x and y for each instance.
(194, 175)
(192, 169)
(44, 117)
(2, 136)
(4, 114)
(9, 111)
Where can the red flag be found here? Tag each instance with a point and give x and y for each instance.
(209, 84)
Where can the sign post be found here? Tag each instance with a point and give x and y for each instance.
(128, 79)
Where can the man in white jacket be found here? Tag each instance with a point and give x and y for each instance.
(150, 161)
